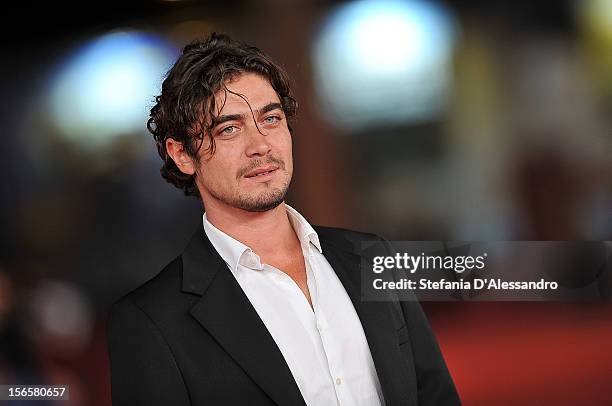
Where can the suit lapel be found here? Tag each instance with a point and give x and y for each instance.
(227, 314)
(378, 322)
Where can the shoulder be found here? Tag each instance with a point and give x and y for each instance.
(160, 294)
(360, 243)
(333, 232)
(345, 238)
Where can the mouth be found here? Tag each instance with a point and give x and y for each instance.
(263, 173)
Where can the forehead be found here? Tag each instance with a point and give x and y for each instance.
(255, 90)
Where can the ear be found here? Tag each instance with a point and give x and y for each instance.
(177, 152)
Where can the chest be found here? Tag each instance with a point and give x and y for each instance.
(294, 266)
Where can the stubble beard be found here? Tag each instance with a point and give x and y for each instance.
(265, 200)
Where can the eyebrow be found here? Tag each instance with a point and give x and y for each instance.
(257, 112)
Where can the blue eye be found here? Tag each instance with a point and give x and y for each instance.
(271, 119)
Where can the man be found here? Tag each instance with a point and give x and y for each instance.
(261, 308)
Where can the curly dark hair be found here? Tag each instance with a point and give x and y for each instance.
(185, 110)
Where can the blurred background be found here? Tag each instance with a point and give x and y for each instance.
(418, 120)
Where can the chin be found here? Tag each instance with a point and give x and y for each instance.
(268, 200)
(264, 208)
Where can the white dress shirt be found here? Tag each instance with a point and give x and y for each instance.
(325, 348)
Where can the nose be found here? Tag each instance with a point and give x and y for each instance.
(258, 143)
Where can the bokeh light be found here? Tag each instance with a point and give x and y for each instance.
(385, 62)
(104, 90)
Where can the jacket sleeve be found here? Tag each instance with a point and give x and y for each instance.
(143, 368)
(434, 383)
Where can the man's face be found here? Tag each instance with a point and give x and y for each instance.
(252, 163)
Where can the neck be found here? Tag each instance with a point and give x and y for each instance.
(266, 233)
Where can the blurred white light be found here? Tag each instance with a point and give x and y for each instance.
(385, 62)
(62, 319)
(108, 87)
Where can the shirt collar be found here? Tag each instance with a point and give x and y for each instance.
(231, 250)
(234, 252)
(304, 231)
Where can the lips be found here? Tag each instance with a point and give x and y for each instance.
(263, 171)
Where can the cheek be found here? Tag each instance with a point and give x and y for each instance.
(285, 144)
(290, 152)
(224, 164)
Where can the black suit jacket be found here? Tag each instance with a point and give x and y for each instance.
(190, 336)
